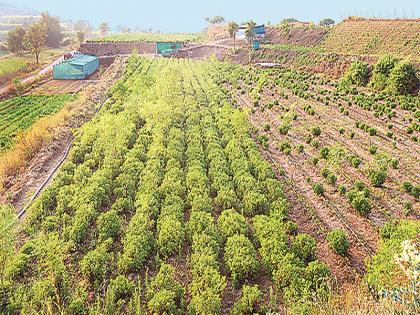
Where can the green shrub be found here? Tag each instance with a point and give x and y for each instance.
(254, 203)
(241, 258)
(338, 241)
(407, 186)
(316, 131)
(382, 269)
(318, 189)
(304, 247)
(120, 288)
(381, 72)
(377, 176)
(373, 149)
(360, 202)
(358, 74)
(249, 302)
(230, 222)
(170, 235)
(331, 179)
(96, 264)
(108, 225)
(403, 78)
(164, 294)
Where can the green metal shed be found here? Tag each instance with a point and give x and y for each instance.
(167, 48)
(78, 67)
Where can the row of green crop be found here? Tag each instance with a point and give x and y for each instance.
(19, 113)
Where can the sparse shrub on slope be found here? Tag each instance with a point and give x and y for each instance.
(338, 241)
(403, 79)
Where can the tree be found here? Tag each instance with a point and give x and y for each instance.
(249, 31)
(80, 36)
(35, 39)
(7, 238)
(327, 22)
(103, 28)
(15, 38)
(289, 20)
(232, 29)
(216, 19)
(52, 25)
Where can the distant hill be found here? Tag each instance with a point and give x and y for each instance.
(375, 37)
(12, 15)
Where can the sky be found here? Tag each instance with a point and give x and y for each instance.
(189, 15)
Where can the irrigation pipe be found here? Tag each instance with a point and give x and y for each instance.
(44, 183)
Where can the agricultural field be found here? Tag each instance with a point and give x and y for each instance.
(11, 67)
(150, 37)
(375, 37)
(19, 113)
(205, 187)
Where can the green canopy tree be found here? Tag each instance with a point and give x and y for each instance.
(15, 38)
(35, 39)
(327, 22)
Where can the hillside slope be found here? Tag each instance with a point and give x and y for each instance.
(300, 36)
(376, 37)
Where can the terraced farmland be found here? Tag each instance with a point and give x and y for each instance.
(376, 37)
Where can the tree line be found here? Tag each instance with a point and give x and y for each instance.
(45, 33)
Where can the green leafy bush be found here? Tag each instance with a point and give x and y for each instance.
(304, 247)
(249, 302)
(97, 263)
(338, 241)
(381, 71)
(403, 78)
(358, 74)
(241, 258)
(318, 189)
(230, 222)
(108, 225)
(164, 294)
(382, 269)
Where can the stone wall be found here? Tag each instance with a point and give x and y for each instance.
(117, 48)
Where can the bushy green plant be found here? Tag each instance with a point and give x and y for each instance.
(249, 302)
(97, 263)
(403, 78)
(108, 225)
(338, 241)
(241, 258)
(318, 189)
(230, 222)
(164, 294)
(304, 247)
(358, 74)
(381, 71)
